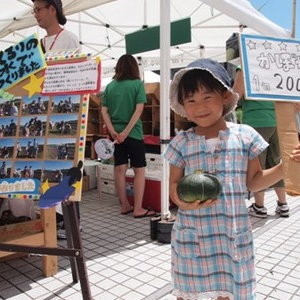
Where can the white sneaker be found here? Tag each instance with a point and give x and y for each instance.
(283, 210)
(254, 211)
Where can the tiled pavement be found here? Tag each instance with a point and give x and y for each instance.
(124, 263)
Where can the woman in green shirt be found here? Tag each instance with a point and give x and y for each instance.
(122, 105)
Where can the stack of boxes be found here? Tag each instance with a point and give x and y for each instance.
(106, 183)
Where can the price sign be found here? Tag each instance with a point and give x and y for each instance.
(271, 68)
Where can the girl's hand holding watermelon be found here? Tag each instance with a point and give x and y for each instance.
(197, 204)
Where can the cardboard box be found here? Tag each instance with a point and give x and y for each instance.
(152, 197)
(85, 183)
(89, 168)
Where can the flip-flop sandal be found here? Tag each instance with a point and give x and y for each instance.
(146, 214)
(127, 212)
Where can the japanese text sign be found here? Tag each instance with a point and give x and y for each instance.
(74, 77)
(20, 61)
(271, 68)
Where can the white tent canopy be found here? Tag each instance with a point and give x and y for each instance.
(102, 25)
(16, 14)
(102, 31)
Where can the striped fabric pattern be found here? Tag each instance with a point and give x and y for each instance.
(212, 248)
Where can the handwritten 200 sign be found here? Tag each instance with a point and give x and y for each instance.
(271, 68)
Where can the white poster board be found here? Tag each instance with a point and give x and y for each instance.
(271, 68)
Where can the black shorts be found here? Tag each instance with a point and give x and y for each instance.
(131, 149)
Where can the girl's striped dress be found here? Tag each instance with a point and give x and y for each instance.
(212, 248)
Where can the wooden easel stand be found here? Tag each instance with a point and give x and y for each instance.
(74, 250)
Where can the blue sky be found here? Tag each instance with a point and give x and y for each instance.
(280, 12)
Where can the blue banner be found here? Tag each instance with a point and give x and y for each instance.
(19, 186)
(20, 61)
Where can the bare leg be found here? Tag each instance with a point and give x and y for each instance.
(139, 188)
(282, 208)
(280, 191)
(259, 198)
(120, 183)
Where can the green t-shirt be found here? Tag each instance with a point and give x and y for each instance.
(121, 98)
(258, 113)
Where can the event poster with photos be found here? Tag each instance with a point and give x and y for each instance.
(43, 119)
(41, 138)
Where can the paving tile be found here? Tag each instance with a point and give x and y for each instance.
(123, 263)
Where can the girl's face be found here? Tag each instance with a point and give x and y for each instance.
(205, 108)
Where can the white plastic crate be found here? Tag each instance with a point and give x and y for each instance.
(106, 171)
(108, 187)
(154, 161)
(154, 175)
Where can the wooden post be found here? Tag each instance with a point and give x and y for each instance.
(48, 219)
(288, 139)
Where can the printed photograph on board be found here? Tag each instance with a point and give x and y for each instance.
(65, 104)
(10, 108)
(54, 171)
(5, 168)
(8, 126)
(7, 148)
(30, 148)
(61, 148)
(28, 169)
(35, 105)
(63, 124)
(33, 126)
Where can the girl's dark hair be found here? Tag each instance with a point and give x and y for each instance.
(127, 68)
(194, 80)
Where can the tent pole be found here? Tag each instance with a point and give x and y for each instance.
(165, 41)
(293, 34)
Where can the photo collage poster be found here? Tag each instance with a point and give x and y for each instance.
(43, 120)
(41, 138)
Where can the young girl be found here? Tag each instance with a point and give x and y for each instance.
(212, 242)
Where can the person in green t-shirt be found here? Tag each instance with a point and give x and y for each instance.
(261, 116)
(122, 105)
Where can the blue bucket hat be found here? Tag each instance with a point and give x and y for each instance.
(216, 70)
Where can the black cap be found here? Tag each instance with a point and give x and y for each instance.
(62, 20)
